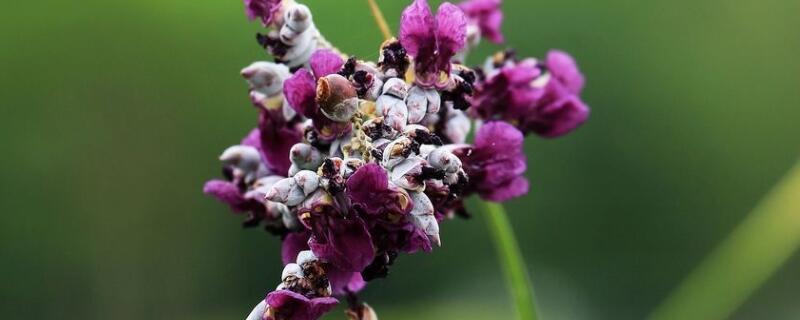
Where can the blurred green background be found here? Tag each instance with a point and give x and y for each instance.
(113, 114)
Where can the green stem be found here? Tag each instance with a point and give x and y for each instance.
(514, 268)
(750, 255)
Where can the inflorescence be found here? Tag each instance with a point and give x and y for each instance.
(354, 162)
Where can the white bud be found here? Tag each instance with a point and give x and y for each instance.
(305, 256)
(266, 78)
(421, 102)
(457, 126)
(444, 159)
(288, 218)
(307, 180)
(287, 192)
(423, 216)
(374, 91)
(293, 170)
(292, 270)
(298, 18)
(396, 87)
(246, 158)
(395, 115)
(305, 156)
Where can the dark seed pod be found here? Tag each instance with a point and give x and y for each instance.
(337, 97)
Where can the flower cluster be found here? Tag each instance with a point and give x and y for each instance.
(355, 162)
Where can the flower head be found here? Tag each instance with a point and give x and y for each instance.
(355, 162)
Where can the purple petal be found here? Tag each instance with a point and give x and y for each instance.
(344, 281)
(498, 138)
(565, 70)
(285, 304)
(252, 139)
(451, 32)
(324, 62)
(487, 14)
(560, 117)
(515, 188)
(368, 188)
(277, 137)
(229, 193)
(343, 242)
(300, 91)
(262, 9)
(416, 25)
(293, 244)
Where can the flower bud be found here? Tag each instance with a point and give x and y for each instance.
(246, 162)
(246, 158)
(361, 312)
(305, 256)
(307, 180)
(305, 156)
(421, 102)
(337, 97)
(396, 115)
(423, 216)
(457, 126)
(444, 159)
(288, 218)
(287, 192)
(291, 270)
(396, 87)
(265, 78)
(298, 18)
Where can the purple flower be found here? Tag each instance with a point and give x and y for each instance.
(369, 189)
(432, 41)
(487, 15)
(301, 91)
(496, 164)
(513, 94)
(288, 305)
(262, 9)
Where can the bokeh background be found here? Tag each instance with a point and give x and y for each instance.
(113, 114)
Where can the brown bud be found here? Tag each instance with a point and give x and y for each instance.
(337, 97)
(361, 312)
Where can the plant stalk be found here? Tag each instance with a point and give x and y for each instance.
(380, 20)
(510, 257)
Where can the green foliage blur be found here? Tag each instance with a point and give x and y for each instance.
(114, 112)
